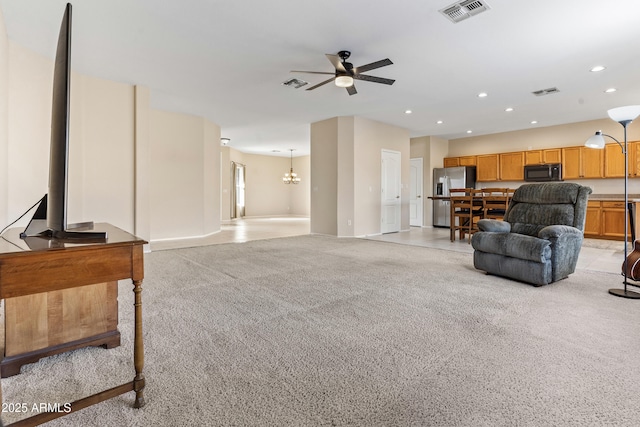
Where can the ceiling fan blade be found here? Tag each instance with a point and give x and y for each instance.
(335, 61)
(322, 83)
(373, 79)
(373, 66)
(312, 72)
(352, 90)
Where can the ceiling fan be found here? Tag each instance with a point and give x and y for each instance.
(345, 72)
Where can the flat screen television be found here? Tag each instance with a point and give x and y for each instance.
(50, 218)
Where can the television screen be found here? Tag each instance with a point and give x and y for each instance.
(50, 218)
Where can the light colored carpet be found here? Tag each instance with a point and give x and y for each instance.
(319, 331)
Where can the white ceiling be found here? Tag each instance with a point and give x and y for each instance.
(226, 60)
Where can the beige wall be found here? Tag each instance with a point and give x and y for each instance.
(225, 183)
(346, 158)
(346, 214)
(145, 171)
(4, 105)
(264, 191)
(324, 177)
(101, 169)
(102, 155)
(29, 129)
(211, 178)
(371, 138)
(571, 134)
(265, 194)
(432, 150)
(184, 153)
(142, 150)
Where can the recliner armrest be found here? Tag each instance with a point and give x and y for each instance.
(494, 225)
(556, 231)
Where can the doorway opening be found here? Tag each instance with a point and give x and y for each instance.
(237, 190)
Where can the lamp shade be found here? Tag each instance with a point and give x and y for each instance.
(596, 141)
(344, 81)
(624, 114)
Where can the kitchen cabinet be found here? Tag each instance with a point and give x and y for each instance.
(591, 162)
(613, 161)
(605, 219)
(592, 225)
(552, 155)
(450, 162)
(487, 167)
(512, 166)
(581, 163)
(533, 157)
(613, 215)
(467, 161)
(578, 162)
(537, 157)
(571, 163)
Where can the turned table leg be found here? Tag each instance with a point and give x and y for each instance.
(138, 349)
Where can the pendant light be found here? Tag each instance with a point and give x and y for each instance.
(291, 177)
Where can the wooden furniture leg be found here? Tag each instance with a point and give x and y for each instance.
(138, 349)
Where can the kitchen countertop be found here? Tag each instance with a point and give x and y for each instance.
(606, 197)
(594, 197)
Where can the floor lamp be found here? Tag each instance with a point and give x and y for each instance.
(624, 116)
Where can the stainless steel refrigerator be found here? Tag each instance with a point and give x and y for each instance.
(443, 180)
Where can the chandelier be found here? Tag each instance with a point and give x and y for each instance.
(291, 177)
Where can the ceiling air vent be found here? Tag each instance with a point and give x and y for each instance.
(294, 83)
(462, 10)
(546, 91)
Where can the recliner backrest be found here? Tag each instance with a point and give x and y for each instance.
(535, 206)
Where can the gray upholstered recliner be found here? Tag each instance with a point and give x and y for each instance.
(540, 238)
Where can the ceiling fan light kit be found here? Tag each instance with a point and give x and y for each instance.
(344, 81)
(345, 73)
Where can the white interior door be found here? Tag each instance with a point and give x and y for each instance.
(416, 203)
(391, 191)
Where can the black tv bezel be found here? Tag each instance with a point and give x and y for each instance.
(50, 218)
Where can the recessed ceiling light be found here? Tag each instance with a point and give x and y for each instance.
(597, 68)
(482, 95)
(439, 122)
(534, 122)
(508, 109)
(469, 131)
(611, 90)
(408, 111)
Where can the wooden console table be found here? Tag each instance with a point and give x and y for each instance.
(35, 265)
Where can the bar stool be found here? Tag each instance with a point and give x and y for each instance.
(466, 210)
(495, 202)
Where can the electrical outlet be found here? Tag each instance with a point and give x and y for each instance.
(349, 223)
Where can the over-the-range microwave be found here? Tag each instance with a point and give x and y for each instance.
(543, 172)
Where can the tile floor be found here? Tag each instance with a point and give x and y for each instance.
(597, 255)
(243, 230)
